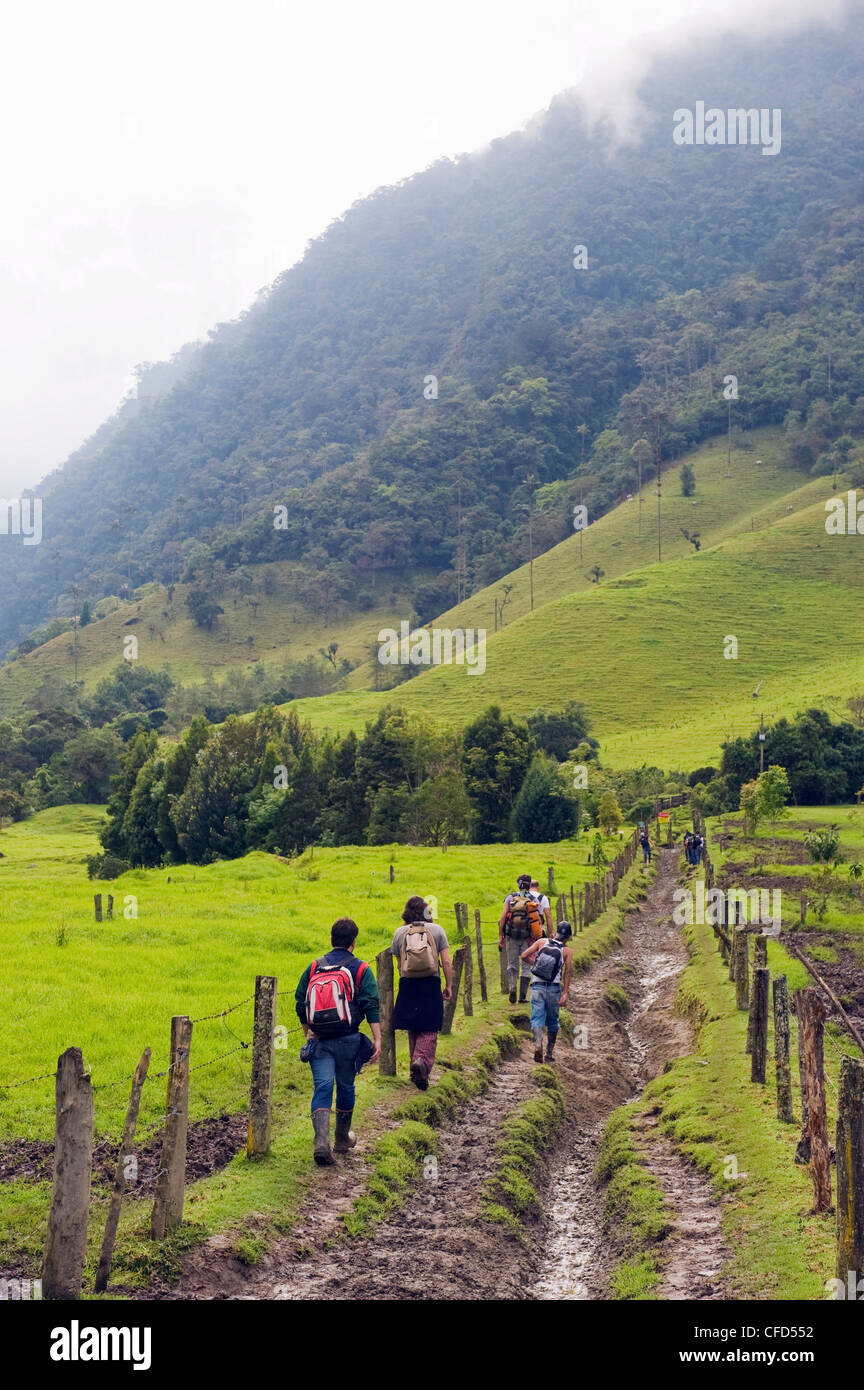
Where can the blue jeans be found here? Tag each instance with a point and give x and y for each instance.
(544, 1007)
(646, 854)
(333, 1060)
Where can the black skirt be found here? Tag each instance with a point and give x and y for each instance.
(419, 1005)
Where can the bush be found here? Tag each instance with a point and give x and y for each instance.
(106, 866)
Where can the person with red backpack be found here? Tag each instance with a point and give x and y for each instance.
(519, 923)
(422, 951)
(333, 996)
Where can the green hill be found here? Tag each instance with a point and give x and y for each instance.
(644, 648)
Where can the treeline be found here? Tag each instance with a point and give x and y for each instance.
(270, 782)
(824, 761)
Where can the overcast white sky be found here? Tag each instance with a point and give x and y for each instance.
(164, 161)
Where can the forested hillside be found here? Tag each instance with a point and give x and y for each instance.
(700, 263)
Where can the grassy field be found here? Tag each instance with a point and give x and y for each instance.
(646, 652)
(200, 937)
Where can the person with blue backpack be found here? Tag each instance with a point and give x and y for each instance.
(549, 960)
(333, 996)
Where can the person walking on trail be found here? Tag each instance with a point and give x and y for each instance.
(688, 846)
(545, 909)
(520, 922)
(697, 843)
(548, 960)
(646, 847)
(422, 951)
(333, 996)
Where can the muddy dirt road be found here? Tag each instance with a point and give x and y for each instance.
(437, 1246)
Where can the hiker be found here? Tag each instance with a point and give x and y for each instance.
(646, 847)
(545, 909)
(697, 843)
(519, 922)
(688, 846)
(422, 950)
(547, 960)
(333, 996)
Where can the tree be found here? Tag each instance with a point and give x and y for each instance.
(855, 705)
(545, 810)
(692, 537)
(560, 731)
(85, 617)
(772, 796)
(203, 610)
(751, 807)
(496, 753)
(688, 480)
(609, 814)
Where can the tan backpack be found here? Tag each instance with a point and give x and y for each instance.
(418, 954)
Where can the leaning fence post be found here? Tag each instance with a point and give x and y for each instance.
(66, 1241)
(120, 1174)
(384, 971)
(781, 1050)
(811, 1019)
(261, 1085)
(759, 1015)
(850, 1175)
(97, 907)
(450, 1007)
(171, 1180)
(481, 966)
(468, 982)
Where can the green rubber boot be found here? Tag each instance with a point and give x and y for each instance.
(322, 1153)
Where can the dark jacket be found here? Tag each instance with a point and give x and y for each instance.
(366, 1003)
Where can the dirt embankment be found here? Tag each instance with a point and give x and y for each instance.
(437, 1245)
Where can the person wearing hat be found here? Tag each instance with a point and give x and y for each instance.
(548, 960)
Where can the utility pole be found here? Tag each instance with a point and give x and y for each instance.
(659, 554)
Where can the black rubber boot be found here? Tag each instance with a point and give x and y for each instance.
(512, 994)
(322, 1152)
(523, 988)
(538, 1044)
(550, 1047)
(345, 1136)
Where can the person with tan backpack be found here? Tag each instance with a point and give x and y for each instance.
(422, 951)
(520, 922)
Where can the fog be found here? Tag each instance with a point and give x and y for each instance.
(165, 162)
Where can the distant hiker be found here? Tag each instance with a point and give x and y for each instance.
(698, 844)
(545, 909)
(518, 923)
(548, 959)
(688, 846)
(646, 847)
(333, 996)
(422, 951)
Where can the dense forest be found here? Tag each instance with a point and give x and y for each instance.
(553, 383)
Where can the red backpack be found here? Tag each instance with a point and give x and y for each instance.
(330, 995)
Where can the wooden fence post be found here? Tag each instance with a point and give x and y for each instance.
(392, 875)
(468, 981)
(450, 1006)
(572, 908)
(110, 912)
(384, 973)
(759, 1015)
(120, 1173)
(811, 1019)
(171, 1180)
(742, 968)
(66, 1241)
(760, 962)
(803, 909)
(802, 1151)
(551, 880)
(97, 907)
(481, 967)
(261, 1085)
(850, 1175)
(781, 1050)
